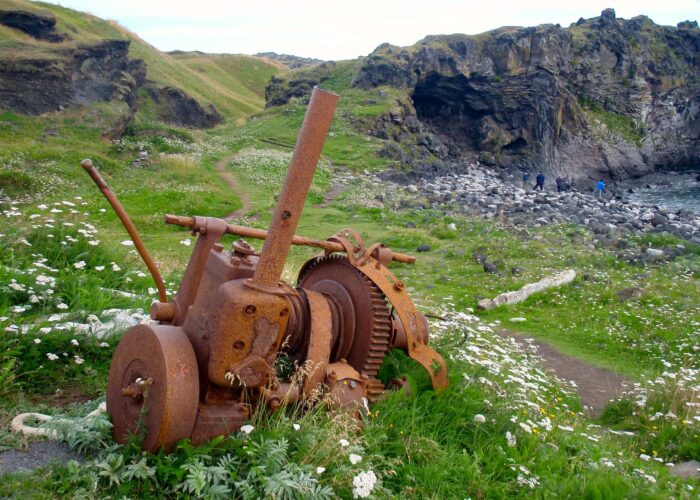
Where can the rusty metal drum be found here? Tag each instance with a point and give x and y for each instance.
(153, 387)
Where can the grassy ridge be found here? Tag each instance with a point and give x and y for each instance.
(234, 84)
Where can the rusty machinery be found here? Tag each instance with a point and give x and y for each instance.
(212, 355)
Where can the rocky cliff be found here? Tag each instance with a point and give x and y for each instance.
(51, 71)
(605, 97)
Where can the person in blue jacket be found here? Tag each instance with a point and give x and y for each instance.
(526, 178)
(599, 188)
(539, 181)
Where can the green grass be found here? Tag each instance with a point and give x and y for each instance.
(419, 445)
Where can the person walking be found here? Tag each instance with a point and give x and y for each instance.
(539, 181)
(599, 188)
(526, 179)
(560, 184)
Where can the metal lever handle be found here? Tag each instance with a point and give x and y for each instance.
(128, 225)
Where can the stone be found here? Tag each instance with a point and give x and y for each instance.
(630, 293)
(653, 252)
(686, 470)
(489, 268)
(423, 248)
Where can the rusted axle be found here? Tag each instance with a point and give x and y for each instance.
(261, 234)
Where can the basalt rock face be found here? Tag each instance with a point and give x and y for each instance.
(176, 107)
(279, 91)
(605, 97)
(83, 75)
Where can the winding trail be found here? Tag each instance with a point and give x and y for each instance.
(596, 386)
(330, 196)
(231, 181)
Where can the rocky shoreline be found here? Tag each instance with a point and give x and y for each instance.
(480, 192)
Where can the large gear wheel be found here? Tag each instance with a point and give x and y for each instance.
(365, 321)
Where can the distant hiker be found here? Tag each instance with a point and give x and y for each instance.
(599, 188)
(566, 185)
(539, 181)
(560, 184)
(526, 179)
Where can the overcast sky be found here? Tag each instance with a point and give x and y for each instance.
(349, 28)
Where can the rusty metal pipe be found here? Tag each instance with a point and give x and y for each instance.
(261, 234)
(296, 187)
(128, 225)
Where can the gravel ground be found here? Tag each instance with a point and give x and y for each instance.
(37, 454)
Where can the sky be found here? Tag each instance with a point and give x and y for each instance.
(336, 30)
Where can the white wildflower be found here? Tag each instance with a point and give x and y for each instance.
(320, 470)
(79, 265)
(525, 427)
(37, 341)
(296, 427)
(51, 356)
(127, 243)
(355, 459)
(344, 443)
(247, 429)
(99, 268)
(510, 439)
(74, 343)
(61, 305)
(363, 484)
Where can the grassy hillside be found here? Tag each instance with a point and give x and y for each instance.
(233, 84)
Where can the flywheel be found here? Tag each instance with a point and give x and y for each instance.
(153, 387)
(364, 329)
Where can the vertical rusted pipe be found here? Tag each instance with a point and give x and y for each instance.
(296, 187)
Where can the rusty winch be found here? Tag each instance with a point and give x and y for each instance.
(214, 354)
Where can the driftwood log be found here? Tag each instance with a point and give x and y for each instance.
(559, 279)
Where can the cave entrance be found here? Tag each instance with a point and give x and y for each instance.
(452, 108)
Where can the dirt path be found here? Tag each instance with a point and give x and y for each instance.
(231, 181)
(335, 191)
(596, 386)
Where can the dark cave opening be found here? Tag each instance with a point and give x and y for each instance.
(452, 108)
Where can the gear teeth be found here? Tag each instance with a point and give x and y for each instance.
(380, 336)
(375, 390)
